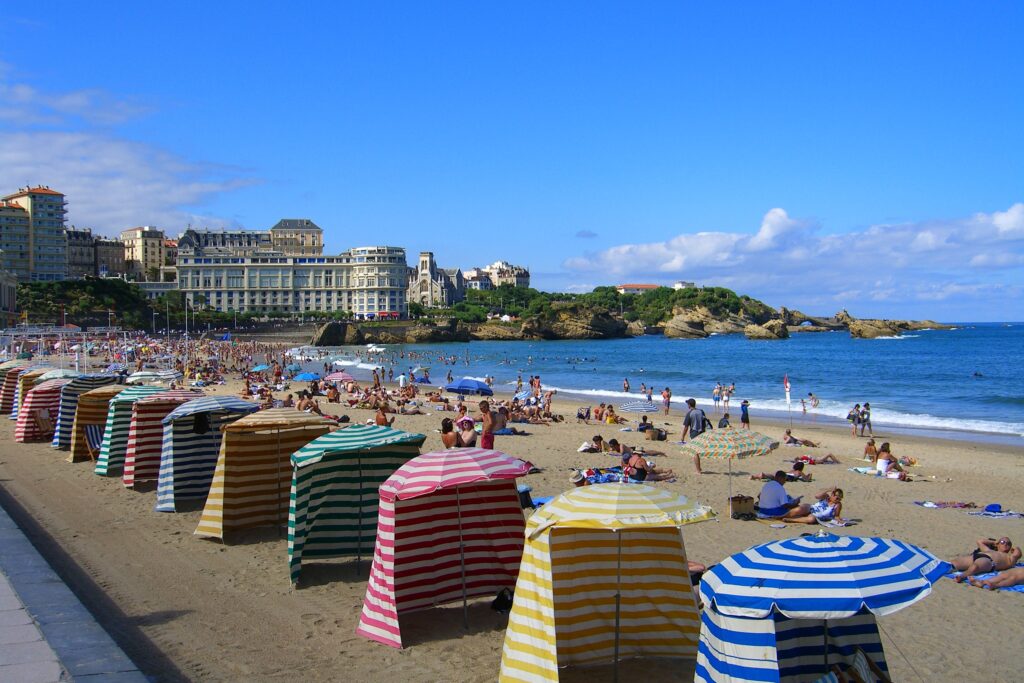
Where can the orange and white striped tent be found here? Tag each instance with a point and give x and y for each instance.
(253, 478)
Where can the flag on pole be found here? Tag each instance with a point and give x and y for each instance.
(785, 383)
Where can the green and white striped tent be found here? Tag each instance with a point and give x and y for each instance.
(115, 433)
(334, 496)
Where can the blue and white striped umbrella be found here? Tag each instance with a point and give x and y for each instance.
(523, 395)
(822, 577)
(638, 407)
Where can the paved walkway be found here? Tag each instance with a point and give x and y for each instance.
(46, 634)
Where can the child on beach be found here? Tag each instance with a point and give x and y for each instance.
(745, 414)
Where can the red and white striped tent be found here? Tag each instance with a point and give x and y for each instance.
(146, 433)
(450, 527)
(46, 396)
(10, 372)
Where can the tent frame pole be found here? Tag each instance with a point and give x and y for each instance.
(359, 514)
(462, 560)
(825, 630)
(618, 602)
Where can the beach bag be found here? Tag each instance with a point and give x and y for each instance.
(503, 602)
(742, 505)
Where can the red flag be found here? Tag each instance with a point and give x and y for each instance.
(785, 381)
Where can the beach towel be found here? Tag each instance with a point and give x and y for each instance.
(943, 504)
(989, 575)
(1006, 514)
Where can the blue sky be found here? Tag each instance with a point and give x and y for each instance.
(814, 155)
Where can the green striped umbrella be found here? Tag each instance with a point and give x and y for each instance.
(730, 444)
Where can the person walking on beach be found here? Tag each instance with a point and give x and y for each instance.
(853, 417)
(865, 420)
(693, 425)
(666, 398)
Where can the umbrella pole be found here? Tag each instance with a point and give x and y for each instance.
(618, 602)
(462, 561)
(730, 487)
(826, 647)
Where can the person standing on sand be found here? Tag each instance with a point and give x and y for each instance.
(487, 420)
(693, 425)
(865, 420)
(666, 399)
(716, 394)
(853, 417)
(745, 414)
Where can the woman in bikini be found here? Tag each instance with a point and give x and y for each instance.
(827, 508)
(990, 555)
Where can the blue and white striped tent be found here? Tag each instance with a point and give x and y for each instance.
(188, 457)
(69, 405)
(783, 612)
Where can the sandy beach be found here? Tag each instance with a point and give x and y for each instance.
(185, 608)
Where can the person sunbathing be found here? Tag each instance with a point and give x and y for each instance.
(828, 459)
(1005, 579)
(795, 474)
(870, 452)
(381, 419)
(791, 440)
(827, 508)
(636, 466)
(887, 465)
(990, 555)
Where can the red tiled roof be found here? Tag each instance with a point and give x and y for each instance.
(11, 205)
(637, 286)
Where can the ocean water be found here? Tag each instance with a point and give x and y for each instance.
(966, 383)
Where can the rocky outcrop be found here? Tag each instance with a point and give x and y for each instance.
(872, 329)
(773, 329)
(450, 330)
(337, 334)
(496, 332)
(703, 319)
(573, 321)
(636, 329)
(681, 327)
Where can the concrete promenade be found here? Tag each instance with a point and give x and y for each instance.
(46, 634)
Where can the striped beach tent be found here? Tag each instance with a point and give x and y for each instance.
(153, 377)
(604, 576)
(115, 433)
(26, 380)
(92, 410)
(333, 507)
(46, 397)
(786, 611)
(69, 404)
(58, 373)
(146, 433)
(191, 444)
(450, 528)
(9, 372)
(252, 479)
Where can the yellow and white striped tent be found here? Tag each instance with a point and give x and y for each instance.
(253, 478)
(583, 549)
(92, 410)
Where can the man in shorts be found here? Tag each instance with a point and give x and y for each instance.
(693, 425)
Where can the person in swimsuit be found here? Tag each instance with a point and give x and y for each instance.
(1007, 579)
(827, 507)
(666, 399)
(990, 555)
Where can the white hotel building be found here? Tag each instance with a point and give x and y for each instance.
(246, 271)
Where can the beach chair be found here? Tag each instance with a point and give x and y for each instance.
(44, 423)
(93, 440)
(864, 670)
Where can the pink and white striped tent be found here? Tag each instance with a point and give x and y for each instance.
(46, 396)
(146, 433)
(450, 527)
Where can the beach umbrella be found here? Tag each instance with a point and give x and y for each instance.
(421, 368)
(469, 386)
(638, 407)
(294, 367)
(261, 368)
(307, 376)
(116, 367)
(730, 444)
(793, 585)
(339, 377)
(523, 395)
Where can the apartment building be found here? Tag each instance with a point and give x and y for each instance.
(297, 236)
(143, 252)
(81, 253)
(498, 273)
(32, 234)
(109, 257)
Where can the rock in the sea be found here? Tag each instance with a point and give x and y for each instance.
(773, 329)
(681, 327)
(636, 329)
(872, 329)
(337, 334)
(496, 332)
(450, 330)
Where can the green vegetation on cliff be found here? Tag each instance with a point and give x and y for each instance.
(652, 307)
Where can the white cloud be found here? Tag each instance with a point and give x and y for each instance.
(68, 141)
(786, 261)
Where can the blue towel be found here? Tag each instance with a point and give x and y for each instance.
(1009, 514)
(989, 575)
